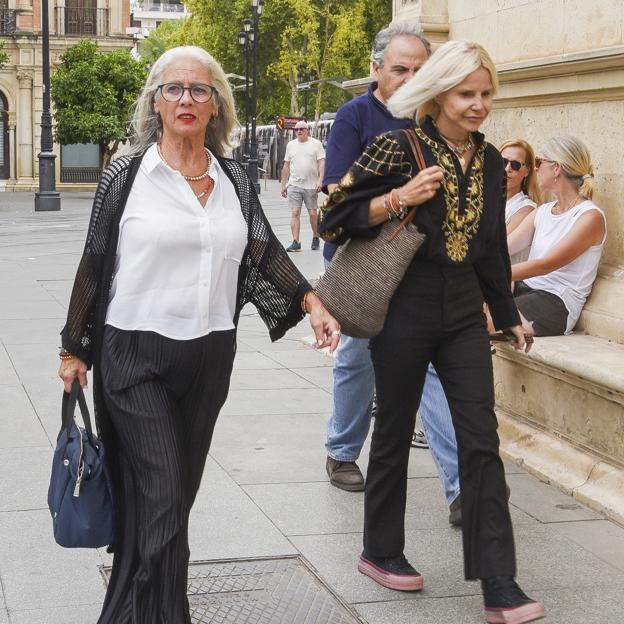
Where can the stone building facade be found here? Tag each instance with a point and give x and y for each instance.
(561, 70)
(106, 21)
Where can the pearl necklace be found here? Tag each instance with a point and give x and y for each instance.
(190, 178)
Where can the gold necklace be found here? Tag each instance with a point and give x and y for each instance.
(572, 204)
(189, 178)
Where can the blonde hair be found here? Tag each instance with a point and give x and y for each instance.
(529, 184)
(573, 156)
(448, 66)
(146, 123)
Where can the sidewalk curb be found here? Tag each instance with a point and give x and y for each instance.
(576, 472)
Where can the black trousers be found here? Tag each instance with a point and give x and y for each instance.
(436, 316)
(164, 397)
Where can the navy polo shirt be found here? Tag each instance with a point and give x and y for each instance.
(357, 124)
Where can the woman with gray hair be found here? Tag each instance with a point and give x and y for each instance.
(176, 246)
(436, 315)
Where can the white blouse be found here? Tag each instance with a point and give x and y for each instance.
(176, 271)
(515, 203)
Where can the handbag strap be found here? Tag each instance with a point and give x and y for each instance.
(420, 161)
(68, 409)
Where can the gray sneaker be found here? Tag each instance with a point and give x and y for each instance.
(294, 246)
(315, 243)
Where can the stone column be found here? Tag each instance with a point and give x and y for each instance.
(12, 146)
(59, 18)
(25, 157)
(432, 15)
(101, 20)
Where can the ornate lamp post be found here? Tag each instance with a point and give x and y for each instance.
(47, 198)
(252, 168)
(244, 39)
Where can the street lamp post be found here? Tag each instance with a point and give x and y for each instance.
(245, 40)
(47, 198)
(252, 167)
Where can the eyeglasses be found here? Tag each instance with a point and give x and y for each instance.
(300, 129)
(173, 92)
(540, 161)
(516, 165)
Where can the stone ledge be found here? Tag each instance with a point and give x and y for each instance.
(586, 477)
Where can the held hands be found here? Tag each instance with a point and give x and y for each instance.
(71, 369)
(326, 327)
(422, 187)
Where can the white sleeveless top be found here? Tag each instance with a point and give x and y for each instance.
(573, 282)
(519, 200)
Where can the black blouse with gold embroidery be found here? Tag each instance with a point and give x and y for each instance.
(464, 222)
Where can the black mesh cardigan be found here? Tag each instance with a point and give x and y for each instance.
(267, 277)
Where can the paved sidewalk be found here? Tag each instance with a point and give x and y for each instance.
(265, 492)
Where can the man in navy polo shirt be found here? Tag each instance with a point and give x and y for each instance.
(398, 52)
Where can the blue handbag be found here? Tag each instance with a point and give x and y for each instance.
(80, 496)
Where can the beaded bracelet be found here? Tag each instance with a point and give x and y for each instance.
(385, 204)
(401, 211)
(65, 355)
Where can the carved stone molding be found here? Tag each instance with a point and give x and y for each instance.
(25, 78)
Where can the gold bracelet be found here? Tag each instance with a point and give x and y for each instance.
(65, 355)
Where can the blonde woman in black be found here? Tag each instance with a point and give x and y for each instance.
(436, 316)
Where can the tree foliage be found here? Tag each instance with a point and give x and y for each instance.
(4, 57)
(322, 39)
(93, 93)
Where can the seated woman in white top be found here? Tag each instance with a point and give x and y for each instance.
(566, 238)
(523, 194)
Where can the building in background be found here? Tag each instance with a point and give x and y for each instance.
(149, 14)
(106, 21)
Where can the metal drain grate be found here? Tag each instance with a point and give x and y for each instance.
(261, 591)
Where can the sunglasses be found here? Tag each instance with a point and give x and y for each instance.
(540, 161)
(516, 165)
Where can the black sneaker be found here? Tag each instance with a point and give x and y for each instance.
(506, 603)
(392, 572)
(294, 246)
(419, 439)
(315, 243)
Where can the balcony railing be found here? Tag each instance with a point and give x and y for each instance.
(8, 22)
(158, 7)
(81, 21)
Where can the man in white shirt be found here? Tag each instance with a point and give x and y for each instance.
(302, 175)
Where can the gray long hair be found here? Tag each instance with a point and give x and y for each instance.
(396, 29)
(146, 123)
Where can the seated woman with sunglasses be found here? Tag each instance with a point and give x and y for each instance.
(566, 238)
(523, 194)
(177, 245)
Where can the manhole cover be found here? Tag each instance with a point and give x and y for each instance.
(261, 591)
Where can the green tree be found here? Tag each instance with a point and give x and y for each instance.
(4, 57)
(93, 94)
(324, 38)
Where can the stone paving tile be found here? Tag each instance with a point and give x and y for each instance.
(34, 361)
(318, 508)
(254, 361)
(545, 502)
(601, 537)
(301, 358)
(4, 616)
(36, 569)
(271, 448)
(30, 475)
(320, 376)
(31, 331)
(20, 426)
(226, 524)
(281, 401)
(8, 375)
(569, 606)
(70, 614)
(267, 379)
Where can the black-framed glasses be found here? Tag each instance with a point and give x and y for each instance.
(516, 165)
(201, 93)
(540, 161)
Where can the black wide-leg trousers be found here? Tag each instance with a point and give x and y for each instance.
(436, 316)
(164, 397)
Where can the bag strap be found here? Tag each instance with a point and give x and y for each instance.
(69, 408)
(420, 161)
